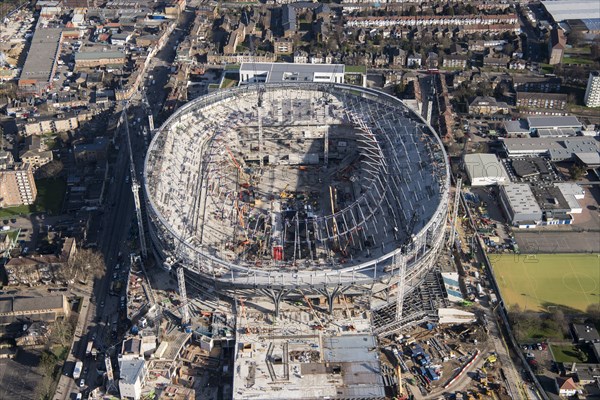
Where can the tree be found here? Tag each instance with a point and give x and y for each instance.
(86, 262)
(62, 332)
(412, 11)
(577, 172)
(51, 170)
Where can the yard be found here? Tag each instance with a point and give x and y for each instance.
(567, 353)
(49, 199)
(544, 282)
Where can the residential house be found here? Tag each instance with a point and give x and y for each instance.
(566, 387)
(496, 62)
(413, 61)
(91, 152)
(35, 154)
(455, 61)
(283, 46)
(486, 105)
(556, 46)
(528, 83)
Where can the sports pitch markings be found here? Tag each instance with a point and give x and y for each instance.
(542, 281)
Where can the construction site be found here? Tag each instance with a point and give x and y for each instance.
(302, 234)
(286, 190)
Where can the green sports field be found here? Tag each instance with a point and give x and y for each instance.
(539, 282)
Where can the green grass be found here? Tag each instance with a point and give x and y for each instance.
(227, 83)
(579, 50)
(232, 67)
(355, 69)
(51, 192)
(61, 352)
(15, 211)
(547, 68)
(576, 60)
(543, 281)
(566, 353)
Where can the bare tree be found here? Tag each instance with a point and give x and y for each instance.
(62, 332)
(85, 263)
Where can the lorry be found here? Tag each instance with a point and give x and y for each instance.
(77, 369)
(90, 347)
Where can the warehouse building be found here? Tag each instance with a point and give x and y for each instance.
(557, 149)
(554, 126)
(572, 192)
(485, 170)
(555, 208)
(41, 61)
(520, 205)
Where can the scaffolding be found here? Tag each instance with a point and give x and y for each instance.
(253, 221)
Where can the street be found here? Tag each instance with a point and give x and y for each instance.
(98, 323)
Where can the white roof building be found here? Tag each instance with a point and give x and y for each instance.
(519, 204)
(132, 378)
(291, 72)
(572, 192)
(485, 170)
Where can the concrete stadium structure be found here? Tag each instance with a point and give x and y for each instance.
(280, 188)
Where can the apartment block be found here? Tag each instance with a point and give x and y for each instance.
(17, 186)
(592, 92)
(552, 101)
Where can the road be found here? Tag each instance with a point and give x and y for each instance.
(98, 321)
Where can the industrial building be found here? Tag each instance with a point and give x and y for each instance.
(555, 148)
(40, 64)
(17, 185)
(485, 169)
(592, 91)
(520, 205)
(287, 191)
(563, 10)
(571, 192)
(555, 208)
(251, 72)
(554, 126)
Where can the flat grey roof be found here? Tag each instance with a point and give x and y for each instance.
(303, 72)
(519, 126)
(549, 144)
(521, 198)
(557, 132)
(130, 370)
(98, 55)
(17, 304)
(553, 122)
(484, 165)
(42, 54)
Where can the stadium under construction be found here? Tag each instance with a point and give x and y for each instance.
(293, 190)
